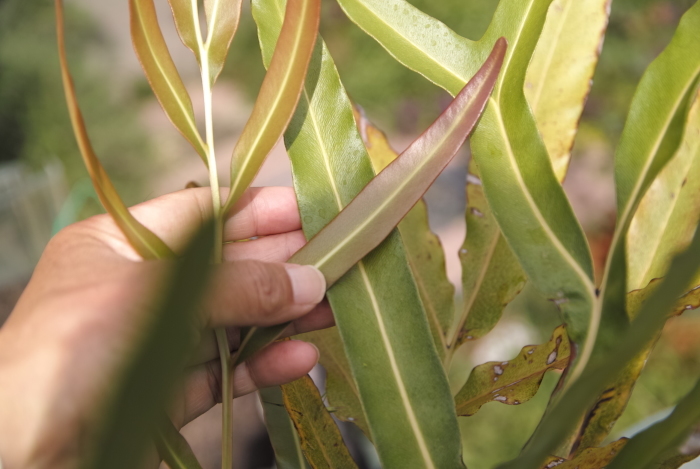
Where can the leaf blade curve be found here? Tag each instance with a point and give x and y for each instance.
(143, 240)
(278, 96)
(223, 17)
(514, 381)
(161, 72)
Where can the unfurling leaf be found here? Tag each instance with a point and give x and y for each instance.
(381, 205)
(187, 29)
(161, 72)
(280, 428)
(222, 22)
(278, 96)
(320, 437)
(515, 381)
(144, 242)
(592, 458)
(425, 253)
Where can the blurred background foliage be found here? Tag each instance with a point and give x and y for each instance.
(35, 132)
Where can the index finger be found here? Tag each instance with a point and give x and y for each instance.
(260, 212)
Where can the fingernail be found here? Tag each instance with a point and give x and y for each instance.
(308, 284)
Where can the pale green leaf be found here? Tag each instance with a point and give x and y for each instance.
(161, 72)
(652, 135)
(319, 436)
(559, 77)
(377, 307)
(280, 429)
(514, 381)
(279, 94)
(144, 242)
(668, 213)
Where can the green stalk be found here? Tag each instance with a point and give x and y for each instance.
(221, 337)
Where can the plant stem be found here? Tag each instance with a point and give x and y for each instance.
(221, 337)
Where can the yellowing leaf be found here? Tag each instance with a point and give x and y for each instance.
(669, 212)
(280, 428)
(144, 242)
(187, 29)
(515, 381)
(161, 72)
(560, 74)
(320, 438)
(592, 458)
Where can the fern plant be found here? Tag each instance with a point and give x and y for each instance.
(521, 89)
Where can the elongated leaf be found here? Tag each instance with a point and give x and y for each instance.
(320, 438)
(381, 205)
(609, 407)
(558, 423)
(646, 449)
(669, 212)
(341, 390)
(515, 381)
(144, 242)
(491, 274)
(592, 458)
(161, 73)
(517, 176)
(278, 96)
(648, 141)
(556, 86)
(173, 448)
(133, 409)
(222, 22)
(425, 253)
(383, 202)
(280, 428)
(187, 24)
(559, 77)
(399, 377)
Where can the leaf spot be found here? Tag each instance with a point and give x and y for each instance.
(498, 370)
(552, 356)
(471, 179)
(476, 212)
(500, 398)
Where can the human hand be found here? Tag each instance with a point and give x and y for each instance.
(90, 294)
